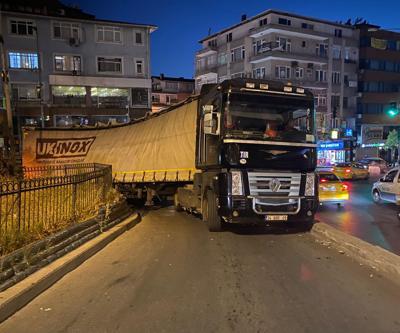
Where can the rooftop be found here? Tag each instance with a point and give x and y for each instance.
(274, 11)
(55, 8)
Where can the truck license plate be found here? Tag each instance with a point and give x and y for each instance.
(276, 217)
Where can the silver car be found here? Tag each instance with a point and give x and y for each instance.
(387, 188)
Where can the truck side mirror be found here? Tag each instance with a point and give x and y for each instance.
(211, 123)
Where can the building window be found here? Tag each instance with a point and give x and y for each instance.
(67, 63)
(322, 50)
(282, 72)
(109, 97)
(107, 34)
(321, 100)
(139, 67)
(320, 75)
(212, 43)
(22, 27)
(309, 73)
(263, 22)
(109, 65)
(336, 52)
(69, 95)
(307, 26)
(155, 98)
(140, 96)
(138, 38)
(336, 77)
(222, 59)
(259, 73)
(338, 33)
(303, 43)
(171, 86)
(229, 37)
(284, 21)
(25, 92)
(65, 30)
(19, 60)
(299, 73)
(237, 54)
(345, 102)
(283, 43)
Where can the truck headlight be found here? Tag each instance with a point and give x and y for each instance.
(310, 185)
(237, 183)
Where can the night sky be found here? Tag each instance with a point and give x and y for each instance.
(182, 23)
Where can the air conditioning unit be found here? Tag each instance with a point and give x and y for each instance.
(310, 65)
(295, 63)
(75, 72)
(74, 41)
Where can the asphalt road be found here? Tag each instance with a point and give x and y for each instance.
(361, 217)
(169, 274)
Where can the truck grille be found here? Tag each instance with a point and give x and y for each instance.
(279, 185)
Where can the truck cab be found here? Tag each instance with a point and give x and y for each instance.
(256, 152)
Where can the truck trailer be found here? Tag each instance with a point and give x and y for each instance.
(242, 151)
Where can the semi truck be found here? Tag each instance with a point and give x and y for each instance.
(242, 151)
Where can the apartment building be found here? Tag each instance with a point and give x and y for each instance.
(167, 91)
(67, 67)
(314, 53)
(379, 87)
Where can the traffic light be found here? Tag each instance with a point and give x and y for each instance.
(393, 111)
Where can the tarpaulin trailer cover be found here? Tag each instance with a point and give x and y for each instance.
(160, 148)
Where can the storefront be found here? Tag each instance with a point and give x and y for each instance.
(332, 152)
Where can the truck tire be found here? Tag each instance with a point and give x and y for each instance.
(210, 212)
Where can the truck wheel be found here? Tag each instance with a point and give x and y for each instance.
(177, 205)
(210, 212)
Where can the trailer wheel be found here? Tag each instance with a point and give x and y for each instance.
(210, 212)
(177, 205)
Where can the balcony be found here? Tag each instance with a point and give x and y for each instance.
(206, 51)
(211, 68)
(276, 51)
(287, 31)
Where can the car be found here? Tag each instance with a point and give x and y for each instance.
(332, 189)
(387, 188)
(375, 162)
(351, 170)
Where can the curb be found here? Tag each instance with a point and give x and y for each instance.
(361, 251)
(17, 296)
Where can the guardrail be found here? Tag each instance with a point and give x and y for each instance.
(48, 199)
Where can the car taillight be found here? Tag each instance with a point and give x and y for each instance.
(344, 187)
(323, 180)
(348, 171)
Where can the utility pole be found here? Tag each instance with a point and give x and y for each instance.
(6, 93)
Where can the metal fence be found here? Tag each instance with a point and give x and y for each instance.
(49, 198)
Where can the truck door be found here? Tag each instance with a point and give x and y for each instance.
(209, 131)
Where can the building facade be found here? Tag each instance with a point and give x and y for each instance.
(379, 87)
(313, 53)
(167, 91)
(67, 67)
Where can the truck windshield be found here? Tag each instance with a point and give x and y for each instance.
(268, 117)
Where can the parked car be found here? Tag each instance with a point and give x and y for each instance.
(375, 162)
(387, 188)
(332, 189)
(351, 170)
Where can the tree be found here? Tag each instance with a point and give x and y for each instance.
(392, 142)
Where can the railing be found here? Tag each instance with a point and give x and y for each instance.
(48, 199)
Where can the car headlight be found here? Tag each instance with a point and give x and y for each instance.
(310, 185)
(237, 183)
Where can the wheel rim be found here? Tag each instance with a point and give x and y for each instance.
(376, 196)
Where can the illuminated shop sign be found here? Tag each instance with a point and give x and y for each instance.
(331, 145)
